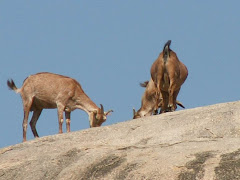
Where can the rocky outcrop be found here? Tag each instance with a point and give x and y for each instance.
(201, 143)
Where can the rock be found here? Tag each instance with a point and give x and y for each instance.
(200, 143)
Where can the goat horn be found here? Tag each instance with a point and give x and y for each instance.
(134, 112)
(180, 104)
(102, 110)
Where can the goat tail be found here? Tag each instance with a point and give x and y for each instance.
(144, 84)
(166, 50)
(12, 86)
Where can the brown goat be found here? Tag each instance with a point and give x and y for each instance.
(50, 91)
(150, 103)
(168, 74)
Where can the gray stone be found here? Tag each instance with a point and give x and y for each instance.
(200, 143)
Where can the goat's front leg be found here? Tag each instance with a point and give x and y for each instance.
(60, 118)
(158, 101)
(68, 121)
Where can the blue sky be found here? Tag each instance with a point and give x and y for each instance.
(109, 47)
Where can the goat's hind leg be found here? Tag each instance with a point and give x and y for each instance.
(173, 92)
(34, 120)
(27, 103)
(164, 106)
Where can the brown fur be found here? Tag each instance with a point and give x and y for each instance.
(149, 100)
(50, 91)
(168, 74)
(150, 103)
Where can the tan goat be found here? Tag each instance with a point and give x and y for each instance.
(168, 74)
(150, 103)
(50, 91)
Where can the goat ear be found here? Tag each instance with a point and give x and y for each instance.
(108, 113)
(144, 84)
(95, 112)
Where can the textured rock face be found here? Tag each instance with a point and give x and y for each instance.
(201, 143)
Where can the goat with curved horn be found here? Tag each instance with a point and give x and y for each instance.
(150, 102)
(49, 91)
(168, 74)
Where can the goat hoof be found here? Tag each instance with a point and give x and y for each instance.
(161, 112)
(155, 112)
